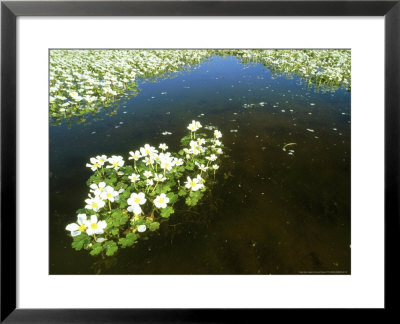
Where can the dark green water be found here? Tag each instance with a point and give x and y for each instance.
(275, 213)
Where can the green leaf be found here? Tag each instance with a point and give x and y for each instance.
(154, 226)
(171, 182)
(80, 242)
(165, 188)
(189, 165)
(128, 240)
(194, 198)
(172, 197)
(114, 231)
(166, 212)
(111, 247)
(182, 192)
(126, 193)
(96, 249)
(123, 204)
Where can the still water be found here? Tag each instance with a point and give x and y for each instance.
(276, 209)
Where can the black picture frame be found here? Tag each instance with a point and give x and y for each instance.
(10, 10)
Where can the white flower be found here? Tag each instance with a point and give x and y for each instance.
(149, 160)
(97, 189)
(178, 162)
(193, 184)
(196, 148)
(219, 151)
(77, 229)
(201, 141)
(141, 228)
(159, 177)
(166, 163)
(217, 142)
(116, 162)
(101, 159)
(100, 239)
(217, 134)
(215, 166)
(147, 174)
(94, 203)
(212, 157)
(161, 201)
(200, 181)
(163, 146)
(136, 199)
(135, 209)
(194, 126)
(202, 167)
(134, 155)
(95, 164)
(147, 150)
(134, 177)
(149, 182)
(94, 227)
(109, 194)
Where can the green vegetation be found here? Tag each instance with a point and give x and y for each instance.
(128, 200)
(86, 81)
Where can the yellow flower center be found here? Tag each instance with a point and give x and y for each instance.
(96, 165)
(147, 151)
(82, 228)
(109, 195)
(193, 184)
(93, 226)
(161, 200)
(115, 164)
(137, 200)
(95, 205)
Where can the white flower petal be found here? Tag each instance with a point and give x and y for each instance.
(142, 228)
(82, 218)
(72, 227)
(102, 224)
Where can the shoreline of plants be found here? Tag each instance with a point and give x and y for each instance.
(86, 81)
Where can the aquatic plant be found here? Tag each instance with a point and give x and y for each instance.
(325, 69)
(129, 199)
(86, 81)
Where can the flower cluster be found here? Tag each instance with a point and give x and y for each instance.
(324, 69)
(128, 198)
(83, 81)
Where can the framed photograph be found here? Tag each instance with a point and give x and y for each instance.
(197, 160)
